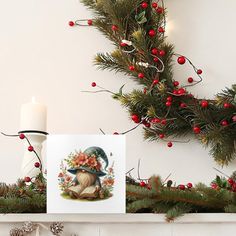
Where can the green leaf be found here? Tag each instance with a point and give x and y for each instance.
(141, 18)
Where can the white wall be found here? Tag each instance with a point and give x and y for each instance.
(41, 56)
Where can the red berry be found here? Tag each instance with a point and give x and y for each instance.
(144, 90)
(132, 68)
(156, 59)
(181, 91)
(115, 133)
(162, 53)
(27, 179)
(123, 44)
(163, 122)
(181, 60)
(181, 187)
(37, 164)
(30, 148)
(90, 22)
(204, 104)
(169, 144)
(151, 32)
(168, 104)
(141, 75)
(224, 123)
(144, 5)
(161, 136)
(21, 136)
(71, 23)
(155, 120)
(214, 186)
(190, 80)
(227, 105)
(196, 129)
(230, 181)
(199, 71)
(93, 84)
(175, 92)
(135, 118)
(161, 30)
(160, 10)
(234, 118)
(176, 83)
(189, 185)
(183, 105)
(154, 5)
(142, 184)
(147, 124)
(154, 51)
(155, 81)
(114, 27)
(169, 99)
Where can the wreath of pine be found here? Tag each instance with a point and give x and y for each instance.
(163, 105)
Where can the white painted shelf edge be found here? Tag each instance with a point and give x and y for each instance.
(118, 218)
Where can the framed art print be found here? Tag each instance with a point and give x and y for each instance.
(86, 174)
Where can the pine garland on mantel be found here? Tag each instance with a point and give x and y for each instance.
(157, 196)
(165, 107)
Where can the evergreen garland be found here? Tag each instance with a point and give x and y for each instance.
(165, 108)
(158, 197)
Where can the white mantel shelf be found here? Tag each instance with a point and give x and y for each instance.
(119, 218)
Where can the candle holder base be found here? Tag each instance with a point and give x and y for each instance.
(36, 139)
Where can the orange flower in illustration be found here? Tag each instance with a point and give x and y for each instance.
(81, 159)
(92, 162)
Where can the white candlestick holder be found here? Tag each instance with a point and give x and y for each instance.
(35, 139)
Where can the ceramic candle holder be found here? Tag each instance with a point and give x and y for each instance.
(36, 139)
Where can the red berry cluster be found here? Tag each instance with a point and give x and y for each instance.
(183, 187)
(144, 185)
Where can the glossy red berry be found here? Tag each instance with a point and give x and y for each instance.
(160, 10)
(190, 80)
(204, 103)
(122, 44)
(230, 181)
(142, 184)
(131, 68)
(141, 75)
(169, 144)
(93, 84)
(169, 99)
(181, 60)
(196, 129)
(144, 5)
(199, 71)
(154, 5)
(182, 105)
(224, 123)
(168, 104)
(214, 186)
(114, 27)
(156, 59)
(176, 83)
(155, 81)
(115, 133)
(161, 136)
(30, 148)
(71, 23)
(155, 120)
(147, 124)
(154, 51)
(227, 105)
(162, 53)
(189, 185)
(21, 136)
(27, 179)
(151, 32)
(181, 187)
(181, 91)
(161, 30)
(37, 164)
(135, 118)
(90, 22)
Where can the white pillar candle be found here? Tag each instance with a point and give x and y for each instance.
(33, 117)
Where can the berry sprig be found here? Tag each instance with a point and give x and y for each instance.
(38, 164)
